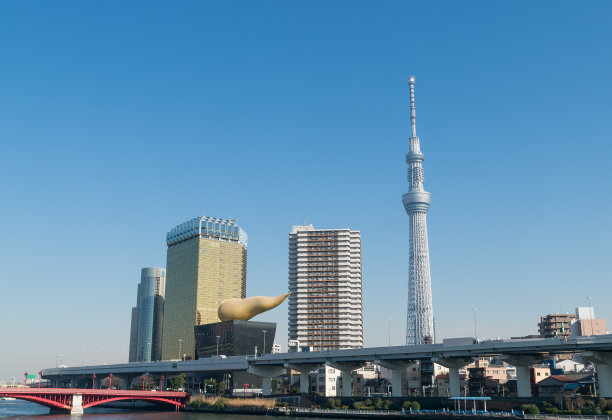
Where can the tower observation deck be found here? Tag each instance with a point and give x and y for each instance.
(419, 327)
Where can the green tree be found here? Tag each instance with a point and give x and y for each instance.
(363, 405)
(414, 405)
(590, 408)
(177, 382)
(530, 409)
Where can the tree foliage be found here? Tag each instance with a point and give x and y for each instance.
(177, 382)
(414, 405)
(530, 409)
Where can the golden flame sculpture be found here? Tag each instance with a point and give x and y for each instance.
(245, 309)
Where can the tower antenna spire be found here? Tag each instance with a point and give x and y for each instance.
(412, 108)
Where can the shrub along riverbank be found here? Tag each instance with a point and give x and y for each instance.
(220, 403)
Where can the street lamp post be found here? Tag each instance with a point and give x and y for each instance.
(180, 347)
(161, 383)
(264, 346)
(217, 347)
(93, 381)
(110, 381)
(39, 378)
(591, 315)
(389, 332)
(475, 331)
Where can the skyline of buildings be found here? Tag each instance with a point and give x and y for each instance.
(148, 316)
(419, 319)
(205, 265)
(312, 132)
(325, 309)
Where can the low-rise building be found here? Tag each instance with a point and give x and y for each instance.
(586, 324)
(537, 374)
(570, 366)
(377, 386)
(360, 376)
(562, 385)
(326, 381)
(443, 385)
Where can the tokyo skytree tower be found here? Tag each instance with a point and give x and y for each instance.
(419, 328)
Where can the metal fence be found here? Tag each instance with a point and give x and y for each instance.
(412, 413)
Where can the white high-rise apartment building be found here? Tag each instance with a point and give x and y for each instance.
(325, 305)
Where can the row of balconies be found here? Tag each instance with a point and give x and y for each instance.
(347, 305)
(331, 290)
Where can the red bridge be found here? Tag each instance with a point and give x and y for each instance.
(76, 400)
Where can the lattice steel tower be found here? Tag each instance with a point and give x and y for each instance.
(419, 328)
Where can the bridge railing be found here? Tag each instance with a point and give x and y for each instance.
(34, 390)
(566, 417)
(424, 413)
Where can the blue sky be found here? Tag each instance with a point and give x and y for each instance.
(119, 120)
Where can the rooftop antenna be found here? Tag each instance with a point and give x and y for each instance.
(412, 108)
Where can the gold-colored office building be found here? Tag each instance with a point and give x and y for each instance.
(206, 264)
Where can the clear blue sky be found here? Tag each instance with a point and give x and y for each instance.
(119, 120)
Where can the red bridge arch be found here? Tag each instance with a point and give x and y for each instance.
(61, 398)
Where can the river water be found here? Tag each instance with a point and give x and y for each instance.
(26, 410)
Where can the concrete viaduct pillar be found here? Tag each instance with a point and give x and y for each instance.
(267, 373)
(304, 369)
(603, 360)
(398, 375)
(346, 368)
(522, 364)
(453, 364)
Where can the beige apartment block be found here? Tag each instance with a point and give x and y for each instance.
(555, 325)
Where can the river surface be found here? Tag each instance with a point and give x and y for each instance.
(26, 410)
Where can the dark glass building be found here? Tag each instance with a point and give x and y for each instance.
(234, 338)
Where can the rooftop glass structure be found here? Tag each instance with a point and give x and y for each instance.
(207, 227)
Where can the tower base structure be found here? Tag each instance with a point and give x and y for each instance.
(234, 338)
